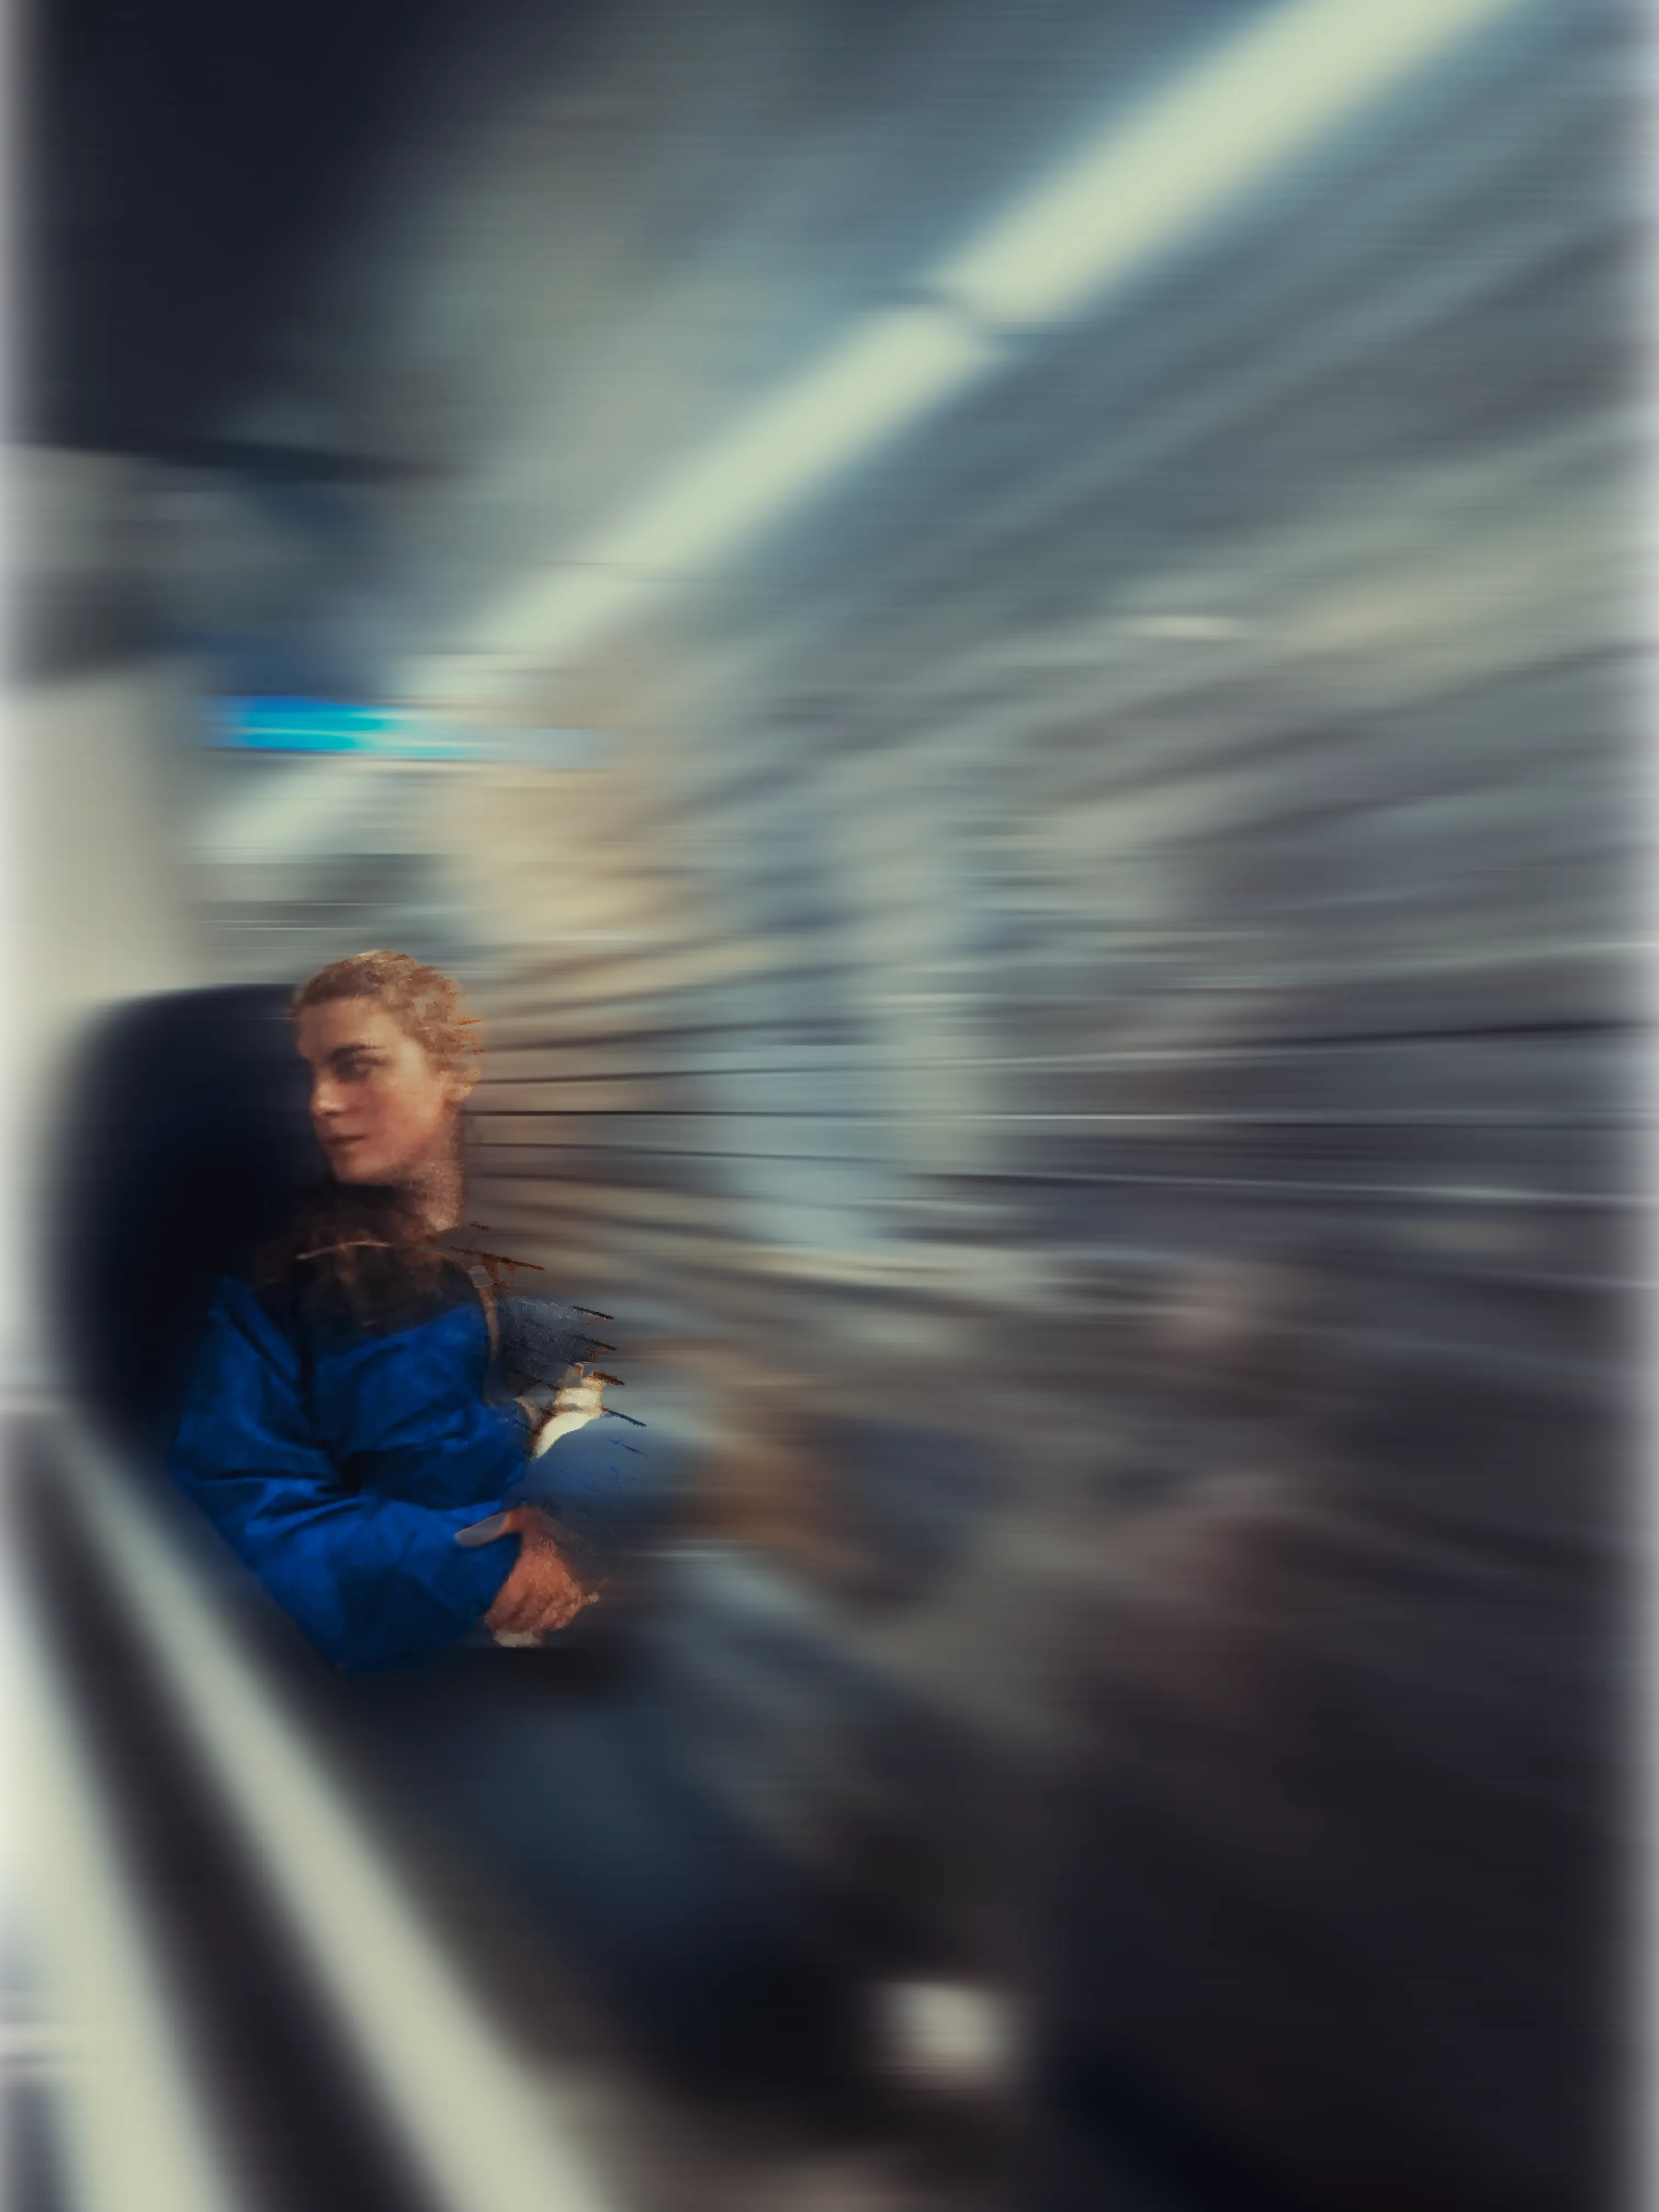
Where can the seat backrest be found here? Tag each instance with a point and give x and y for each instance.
(183, 1143)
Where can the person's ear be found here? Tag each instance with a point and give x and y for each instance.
(462, 1082)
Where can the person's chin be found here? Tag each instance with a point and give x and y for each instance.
(352, 1163)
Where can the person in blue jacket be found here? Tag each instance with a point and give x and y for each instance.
(336, 1429)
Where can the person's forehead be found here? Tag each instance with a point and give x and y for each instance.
(339, 1022)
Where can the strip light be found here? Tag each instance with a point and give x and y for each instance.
(1144, 185)
(888, 372)
(1286, 82)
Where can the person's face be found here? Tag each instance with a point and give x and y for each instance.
(382, 1110)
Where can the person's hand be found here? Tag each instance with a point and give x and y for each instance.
(541, 1594)
(578, 1402)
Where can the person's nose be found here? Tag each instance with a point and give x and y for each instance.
(326, 1101)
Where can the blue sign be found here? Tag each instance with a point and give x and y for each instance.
(332, 725)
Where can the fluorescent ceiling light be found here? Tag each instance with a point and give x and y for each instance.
(1146, 185)
(1270, 94)
(889, 370)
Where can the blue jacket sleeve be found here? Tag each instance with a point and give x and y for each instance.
(373, 1581)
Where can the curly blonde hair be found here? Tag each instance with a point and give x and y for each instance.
(426, 1003)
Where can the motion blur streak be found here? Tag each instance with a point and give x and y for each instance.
(134, 2133)
(1299, 71)
(1035, 612)
(486, 2136)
